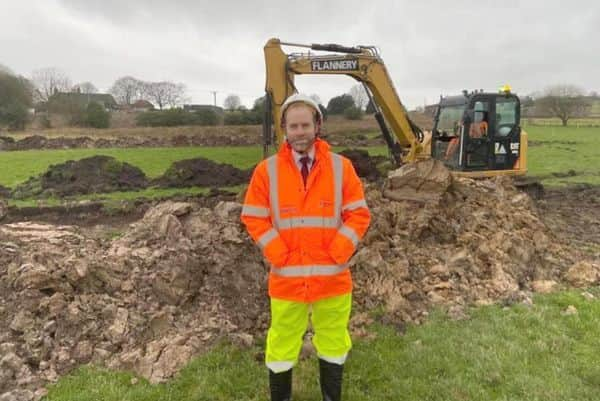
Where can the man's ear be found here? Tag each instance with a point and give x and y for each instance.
(318, 128)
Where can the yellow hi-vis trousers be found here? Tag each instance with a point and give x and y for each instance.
(289, 321)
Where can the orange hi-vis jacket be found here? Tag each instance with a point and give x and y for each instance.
(306, 234)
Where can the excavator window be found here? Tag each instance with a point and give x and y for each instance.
(476, 144)
(506, 115)
(450, 120)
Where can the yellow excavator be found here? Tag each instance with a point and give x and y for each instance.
(475, 134)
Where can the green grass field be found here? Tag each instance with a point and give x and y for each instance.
(554, 121)
(556, 151)
(16, 167)
(523, 353)
(557, 155)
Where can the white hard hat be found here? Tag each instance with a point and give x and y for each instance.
(301, 98)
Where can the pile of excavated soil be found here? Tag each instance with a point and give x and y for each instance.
(184, 277)
(479, 242)
(3, 209)
(202, 172)
(368, 167)
(6, 142)
(211, 139)
(94, 174)
(4, 192)
(177, 281)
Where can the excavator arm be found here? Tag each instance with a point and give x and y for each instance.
(361, 63)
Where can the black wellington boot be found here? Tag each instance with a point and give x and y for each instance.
(331, 380)
(281, 385)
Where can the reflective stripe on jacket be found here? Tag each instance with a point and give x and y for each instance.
(307, 234)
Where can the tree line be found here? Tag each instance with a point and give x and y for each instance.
(126, 90)
(19, 94)
(564, 102)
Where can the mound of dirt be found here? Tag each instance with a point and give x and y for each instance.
(4, 192)
(481, 241)
(219, 136)
(3, 209)
(425, 181)
(31, 142)
(6, 142)
(202, 172)
(185, 276)
(368, 167)
(177, 281)
(94, 174)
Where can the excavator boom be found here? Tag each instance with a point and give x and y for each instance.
(361, 63)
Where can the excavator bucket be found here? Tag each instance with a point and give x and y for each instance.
(424, 181)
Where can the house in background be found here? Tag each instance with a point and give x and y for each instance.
(141, 105)
(69, 102)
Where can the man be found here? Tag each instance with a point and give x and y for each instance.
(477, 129)
(305, 208)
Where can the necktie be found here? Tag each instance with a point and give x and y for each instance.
(304, 170)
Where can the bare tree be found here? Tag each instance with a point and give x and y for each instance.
(47, 81)
(564, 102)
(5, 69)
(359, 96)
(165, 93)
(127, 90)
(177, 95)
(156, 92)
(232, 102)
(85, 87)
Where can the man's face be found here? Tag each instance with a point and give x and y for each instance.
(300, 128)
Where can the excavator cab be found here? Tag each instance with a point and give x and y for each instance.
(479, 132)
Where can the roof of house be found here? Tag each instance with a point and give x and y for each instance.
(141, 103)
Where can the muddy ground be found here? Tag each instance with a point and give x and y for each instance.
(573, 215)
(149, 294)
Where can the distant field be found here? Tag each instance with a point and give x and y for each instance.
(333, 125)
(595, 111)
(558, 151)
(574, 122)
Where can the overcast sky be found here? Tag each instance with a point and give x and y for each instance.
(430, 47)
